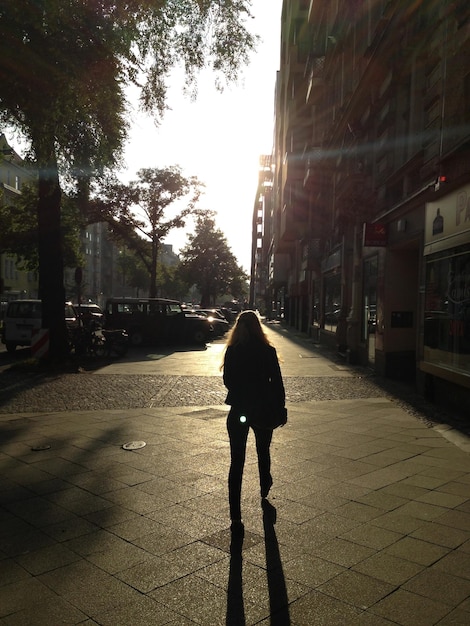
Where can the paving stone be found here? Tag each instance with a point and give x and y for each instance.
(11, 572)
(455, 618)
(311, 571)
(455, 519)
(388, 568)
(371, 536)
(342, 552)
(318, 609)
(417, 551)
(441, 499)
(357, 589)
(52, 610)
(372, 510)
(17, 594)
(441, 535)
(143, 611)
(46, 559)
(409, 609)
(197, 599)
(438, 585)
(456, 563)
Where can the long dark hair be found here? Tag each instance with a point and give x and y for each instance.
(246, 329)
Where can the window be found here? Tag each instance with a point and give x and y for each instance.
(130, 307)
(173, 309)
(447, 310)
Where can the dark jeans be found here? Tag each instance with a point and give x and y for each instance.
(238, 433)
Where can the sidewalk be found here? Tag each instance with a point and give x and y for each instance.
(371, 511)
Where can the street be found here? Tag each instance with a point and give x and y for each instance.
(296, 359)
(175, 376)
(159, 376)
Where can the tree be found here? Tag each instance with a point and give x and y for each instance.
(137, 213)
(171, 282)
(133, 272)
(19, 228)
(208, 263)
(64, 65)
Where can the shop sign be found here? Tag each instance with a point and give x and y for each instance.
(374, 235)
(447, 218)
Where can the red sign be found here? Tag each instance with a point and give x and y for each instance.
(374, 235)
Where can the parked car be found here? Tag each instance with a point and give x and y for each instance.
(157, 320)
(229, 315)
(24, 317)
(89, 313)
(216, 318)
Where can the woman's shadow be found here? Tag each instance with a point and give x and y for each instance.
(278, 599)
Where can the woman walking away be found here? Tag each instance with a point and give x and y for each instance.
(251, 374)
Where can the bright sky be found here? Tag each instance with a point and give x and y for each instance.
(219, 137)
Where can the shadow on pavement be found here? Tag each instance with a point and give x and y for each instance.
(278, 598)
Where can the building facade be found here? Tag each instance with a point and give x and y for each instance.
(261, 296)
(370, 246)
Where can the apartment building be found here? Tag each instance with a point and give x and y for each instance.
(261, 239)
(370, 246)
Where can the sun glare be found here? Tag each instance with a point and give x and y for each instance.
(219, 137)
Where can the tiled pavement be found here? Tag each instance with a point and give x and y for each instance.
(371, 510)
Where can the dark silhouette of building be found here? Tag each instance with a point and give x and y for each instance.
(371, 143)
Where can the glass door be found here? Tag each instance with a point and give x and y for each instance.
(369, 308)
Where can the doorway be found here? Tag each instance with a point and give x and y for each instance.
(369, 306)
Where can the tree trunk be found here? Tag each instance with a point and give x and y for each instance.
(153, 271)
(51, 261)
(205, 300)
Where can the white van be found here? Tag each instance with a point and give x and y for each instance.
(23, 317)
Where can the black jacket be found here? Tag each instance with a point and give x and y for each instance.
(248, 369)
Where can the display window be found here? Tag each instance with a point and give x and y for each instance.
(447, 310)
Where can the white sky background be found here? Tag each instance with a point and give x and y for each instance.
(219, 137)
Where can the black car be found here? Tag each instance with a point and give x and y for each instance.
(216, 318)
(89, 314)
(157, 320)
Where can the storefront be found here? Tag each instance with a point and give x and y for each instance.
(446, 339)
